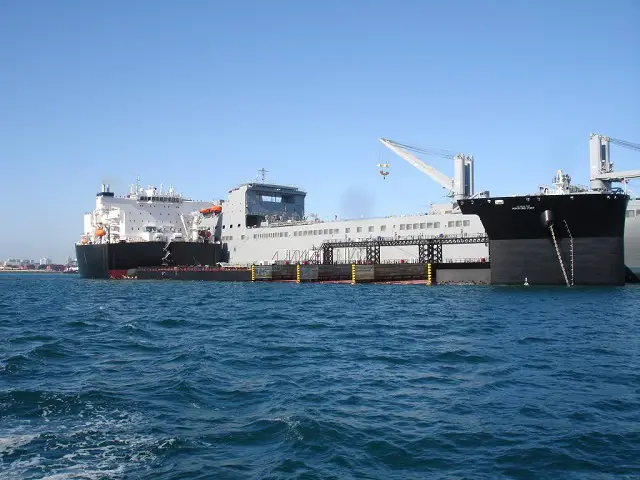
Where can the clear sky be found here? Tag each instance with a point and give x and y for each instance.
(202, 94)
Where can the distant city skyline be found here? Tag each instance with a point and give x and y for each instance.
(204, 94)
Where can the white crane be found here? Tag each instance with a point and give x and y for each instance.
(461, 186)
(602, 174)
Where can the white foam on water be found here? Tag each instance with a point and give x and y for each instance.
(101, 444)
(292, 425)
(9, 444)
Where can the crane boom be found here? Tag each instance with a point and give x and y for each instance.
(439, 177)
(624, 143)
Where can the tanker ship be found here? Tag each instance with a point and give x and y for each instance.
(148, 227)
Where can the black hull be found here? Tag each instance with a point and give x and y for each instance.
(521, 246)
(114, 259)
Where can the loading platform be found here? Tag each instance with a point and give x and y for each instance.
(429, 267)
(429, 248)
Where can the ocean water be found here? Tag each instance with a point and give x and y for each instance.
(165, 380)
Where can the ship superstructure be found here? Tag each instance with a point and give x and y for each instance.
(147, 214)
(266, 223)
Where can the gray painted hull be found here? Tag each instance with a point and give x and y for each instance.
(632, 237)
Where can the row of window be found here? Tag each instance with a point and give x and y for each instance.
(154, 206)
(159, 199)
(370, 229)
(231, 226)
(631, 213)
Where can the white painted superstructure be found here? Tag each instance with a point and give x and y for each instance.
(145, 214)
(266, 223)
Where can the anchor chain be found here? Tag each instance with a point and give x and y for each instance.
(555, 243)
(570, 248)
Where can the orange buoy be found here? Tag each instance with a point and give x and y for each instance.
(100, 232)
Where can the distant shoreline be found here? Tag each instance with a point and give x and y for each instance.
(32, 271)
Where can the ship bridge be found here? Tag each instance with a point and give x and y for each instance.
(261, 203)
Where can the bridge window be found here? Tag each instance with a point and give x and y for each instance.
(451, 224)
(359, 229)
(466, 223)
(631, 213)
(430, 225)
(383, 228)
(436, 224)
(347, 230)
(423, 226)
(458, 223)
(402, 226)
(370, 229)
(408, 226)
(337, 230)
(416, 226)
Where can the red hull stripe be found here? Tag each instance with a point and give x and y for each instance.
(117, 273)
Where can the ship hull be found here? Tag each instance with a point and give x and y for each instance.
(113, 260)
(589, 238)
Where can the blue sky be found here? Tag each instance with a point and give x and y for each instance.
(202, 94)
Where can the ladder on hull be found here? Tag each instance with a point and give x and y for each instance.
(555, 244)
(570, 248)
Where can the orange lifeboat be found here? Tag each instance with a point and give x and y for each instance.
(83, 241)
(214, 209)
(100, 232)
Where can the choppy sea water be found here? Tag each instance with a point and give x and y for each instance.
(164, 380)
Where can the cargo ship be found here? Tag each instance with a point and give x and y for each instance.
(148, 227)
(264, 223)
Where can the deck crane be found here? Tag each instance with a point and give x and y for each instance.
(602, 174)
(461, 186)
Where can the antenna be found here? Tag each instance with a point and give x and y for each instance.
(263, 173)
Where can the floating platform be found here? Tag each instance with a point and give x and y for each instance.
(429, 273)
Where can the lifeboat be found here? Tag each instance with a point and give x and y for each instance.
(215, 209)
(100, 232)
(83, 241)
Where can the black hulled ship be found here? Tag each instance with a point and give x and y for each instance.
(572, 237)
(149, 227)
